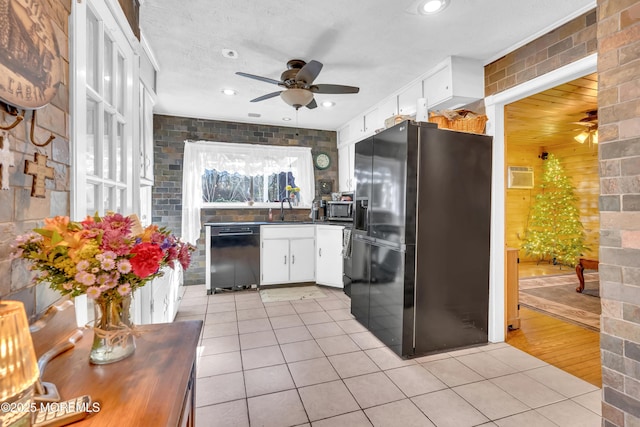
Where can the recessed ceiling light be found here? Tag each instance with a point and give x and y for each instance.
(430, 7)
(229, 92)
(230, 53)
(255, 115)
(328, 104)
(286, 119)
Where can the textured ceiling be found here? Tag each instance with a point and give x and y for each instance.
(374, 44)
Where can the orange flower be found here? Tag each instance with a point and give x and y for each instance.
(148, 233)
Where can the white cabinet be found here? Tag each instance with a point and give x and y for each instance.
(329, 260)
(453, 83)
(160, 299)
(387, 108)
(408, 99)
(346, 159)
(371, 122)
(302, 267)
(274, 260)
(287, 254)
(344, 134)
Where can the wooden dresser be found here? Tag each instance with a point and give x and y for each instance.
(154, 387)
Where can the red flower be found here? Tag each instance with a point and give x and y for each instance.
(146, 259)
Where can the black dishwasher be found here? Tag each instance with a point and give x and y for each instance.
(234, 257)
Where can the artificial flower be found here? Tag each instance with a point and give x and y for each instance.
(99, 257)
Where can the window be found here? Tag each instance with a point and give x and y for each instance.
(230, 175)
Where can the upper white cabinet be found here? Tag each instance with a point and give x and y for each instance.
(387, 108)
(408, 99)
(346, 159)
(453, 83)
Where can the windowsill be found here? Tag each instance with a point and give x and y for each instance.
(254, 206)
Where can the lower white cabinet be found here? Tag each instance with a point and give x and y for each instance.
(159, 300)
(329, 260)
(287, 254)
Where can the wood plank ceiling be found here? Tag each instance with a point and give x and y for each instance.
(547, 118)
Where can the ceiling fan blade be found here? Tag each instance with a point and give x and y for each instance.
(309, 72)
(312, 104)
(334, 89)
(263, 79)
(267, 96)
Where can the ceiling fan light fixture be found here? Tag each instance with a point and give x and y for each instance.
(430, 7)
(296, 97)
(581, 137)
(594, 137)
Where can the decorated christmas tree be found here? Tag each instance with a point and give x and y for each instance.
(555, 232)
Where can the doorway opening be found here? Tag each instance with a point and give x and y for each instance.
(556, 323)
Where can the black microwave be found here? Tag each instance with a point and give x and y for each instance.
(340, 211)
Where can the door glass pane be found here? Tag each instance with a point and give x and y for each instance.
(120, 197)
(91, 199)
(119, 154)
(121, 83)
(108, 69)
(92, 50)
(107, 145)
(92, 137)
(109, 200)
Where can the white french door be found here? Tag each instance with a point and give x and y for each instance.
(104, 99)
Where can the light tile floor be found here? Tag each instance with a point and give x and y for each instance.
(310, 363)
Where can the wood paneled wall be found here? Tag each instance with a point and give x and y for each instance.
(580, 162)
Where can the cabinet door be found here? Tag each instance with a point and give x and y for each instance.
(302, 268)
(408, 99)
(329, 261)
(438, 86)
(352, 158)
(274, 259)
(371, 122)
(388, 108)
(344, 172)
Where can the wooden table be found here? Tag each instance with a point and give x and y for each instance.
(154, 387)
(585, 264)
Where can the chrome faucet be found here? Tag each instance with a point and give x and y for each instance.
(282, 207)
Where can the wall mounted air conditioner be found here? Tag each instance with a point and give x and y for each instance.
(520, 177)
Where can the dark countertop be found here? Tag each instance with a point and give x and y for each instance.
(250, 223)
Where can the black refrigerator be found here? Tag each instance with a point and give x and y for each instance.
(420, 249)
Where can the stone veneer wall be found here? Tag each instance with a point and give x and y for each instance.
(619, 155)
(169, 135)
(19, 212)
(568, 43)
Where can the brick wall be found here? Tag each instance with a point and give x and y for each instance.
(19, 212)
(619, 155)
(568, 43)
(169, 135)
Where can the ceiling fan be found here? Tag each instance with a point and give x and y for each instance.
(590, 122)
(297, 81)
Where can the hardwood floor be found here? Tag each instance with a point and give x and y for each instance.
(561, 344)
(564, 345)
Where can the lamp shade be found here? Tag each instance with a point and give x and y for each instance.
(296, 97)
(581, 137)
(18, 364)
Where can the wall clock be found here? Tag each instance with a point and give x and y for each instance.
(322, 161)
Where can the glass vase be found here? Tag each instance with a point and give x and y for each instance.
(112, 330)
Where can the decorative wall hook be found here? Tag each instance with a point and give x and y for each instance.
(32, 133)
(12, 112)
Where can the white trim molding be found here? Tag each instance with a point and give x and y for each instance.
(495, 126)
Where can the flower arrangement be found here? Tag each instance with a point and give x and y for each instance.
(105, 258)
(293, 193)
